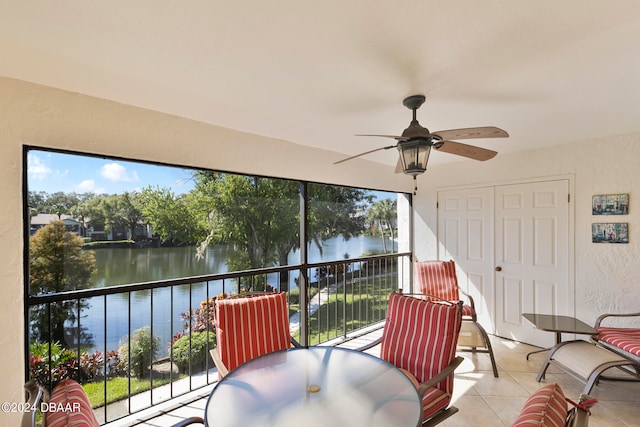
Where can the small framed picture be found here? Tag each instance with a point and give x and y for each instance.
(610, 204)
(614, 232)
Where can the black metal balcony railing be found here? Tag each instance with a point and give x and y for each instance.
(135, 346)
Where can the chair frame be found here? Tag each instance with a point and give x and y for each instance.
(448, 370)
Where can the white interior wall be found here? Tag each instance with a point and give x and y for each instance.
(607, 275)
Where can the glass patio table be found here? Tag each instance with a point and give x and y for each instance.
(316, 386)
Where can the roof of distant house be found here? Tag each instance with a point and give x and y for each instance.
(44, 219)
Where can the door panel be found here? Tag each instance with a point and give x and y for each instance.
(532, 250)
(511, 290)
(465, 233)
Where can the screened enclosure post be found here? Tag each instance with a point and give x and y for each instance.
(304, 279)
(106, 358)
(411, 241)
(151, 344)
(26, 226)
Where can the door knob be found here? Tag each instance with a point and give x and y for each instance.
(498, 268)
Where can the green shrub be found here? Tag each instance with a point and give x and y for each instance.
(193, 348)
(48, 373)
(294, 296)
(144, 348)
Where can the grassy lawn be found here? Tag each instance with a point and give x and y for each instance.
(363, 303)
(294, 300)
(118, 389)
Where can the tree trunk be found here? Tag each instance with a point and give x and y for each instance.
(384, 242)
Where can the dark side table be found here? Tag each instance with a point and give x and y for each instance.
(558, 324)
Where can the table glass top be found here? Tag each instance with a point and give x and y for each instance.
(318, 386)
(557, 323)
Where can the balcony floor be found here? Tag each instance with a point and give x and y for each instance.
(484, 400)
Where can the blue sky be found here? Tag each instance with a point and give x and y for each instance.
(52, 172)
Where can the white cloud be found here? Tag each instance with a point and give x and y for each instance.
(36, 168)
(89, 186)
(117, 173)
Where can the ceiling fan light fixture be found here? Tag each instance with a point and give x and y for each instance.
(414, 155)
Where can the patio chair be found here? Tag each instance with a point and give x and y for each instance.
(612, 347)
(439, 278)
(248, 326)
(420, 338)
(67, 394)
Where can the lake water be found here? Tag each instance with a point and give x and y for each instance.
(125, 265)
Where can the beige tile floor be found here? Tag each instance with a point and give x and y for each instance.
(483, 400)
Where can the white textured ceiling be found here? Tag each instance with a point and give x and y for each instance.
(316, 73)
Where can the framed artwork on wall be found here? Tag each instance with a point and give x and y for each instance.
(615, 232)
(610, 204)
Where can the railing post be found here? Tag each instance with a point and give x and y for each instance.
(344, 296)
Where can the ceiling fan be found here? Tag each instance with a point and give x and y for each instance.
(416, 142)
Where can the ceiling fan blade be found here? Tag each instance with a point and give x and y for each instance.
(470, 151)
(365, 153)
(399, 138)
(467, 133)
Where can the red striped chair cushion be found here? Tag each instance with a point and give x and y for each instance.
(467, 311)
(72, 406)
(438, 278)
(249, 327)
(545, 407)
(420, 337)
(627, 339)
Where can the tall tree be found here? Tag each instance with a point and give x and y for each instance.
(82, 210)
(262, 215)
(383, 216)
(174, 218)
(57, 263)
(122, 211)
(257, 213)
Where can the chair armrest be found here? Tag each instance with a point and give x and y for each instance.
(468, 297)
(36, 395)
(369, 345)
(579, 414)
(604, 316)
(222, 369)
(447, 371)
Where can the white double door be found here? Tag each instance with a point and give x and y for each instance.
(513, 247)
